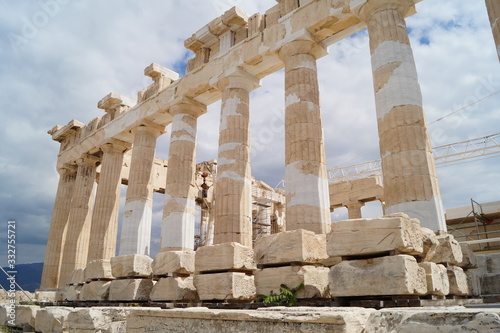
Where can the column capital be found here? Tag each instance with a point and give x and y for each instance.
(88, 160)
(149, 127)
(115, 145)
(67, 169)
(235, 78)
(372, 6)
(187, 105)
(111, 102)
(302, 46)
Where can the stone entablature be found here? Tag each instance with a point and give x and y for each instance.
(324, 21)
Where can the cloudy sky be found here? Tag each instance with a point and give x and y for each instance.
(58, 58)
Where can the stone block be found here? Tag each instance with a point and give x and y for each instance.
(52, 320)
(174, 289)
(49, 295)
(225, 286)
(437, 278)
(130, 290)
(26, 317)
(95, 291)
(77, 276)
(432, 320)
(493, 262)
(315, 280)
(133, 265)
(490, 284)
(170, 262)
(458, 281)
(98, 269)
(331, 261)
(3, 314)
(105, 320)
(448, 251)
(73, 292)
(474, 282)
(430, 242)
(393, 275)
(224, 256)
(376, 235)
(290, 246)
(469, 259)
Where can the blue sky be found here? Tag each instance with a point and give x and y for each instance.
(58, 58)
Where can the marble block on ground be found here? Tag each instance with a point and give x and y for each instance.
(315, 280)
(225, 286)
(437, 278)
(174, 289)
(52, 320)
(290, 246)
(432, 320)
(448, 251)
(170, 262)
(224, 256)
(95, 291)
(133, 265)
(392, 275)
(371, 236)
(3, 314)
(98, 269)
(105, 320)
(458, 281)
(26, 317)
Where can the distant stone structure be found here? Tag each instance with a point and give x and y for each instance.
(296, 239)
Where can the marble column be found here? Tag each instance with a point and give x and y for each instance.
(410, 181)
(354, 210)
(107, 203)
(233, 187)
(58, 225)
(177, 232)
(306, 180)
(137, 217)
(493, 7)
(80, 217)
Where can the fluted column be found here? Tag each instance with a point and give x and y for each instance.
(107, 203)
(57, 232)
(80, 217)
(410, 182)
(493, 7)
(137, 217)
(177, 233)
(233, 187)
(306, 181)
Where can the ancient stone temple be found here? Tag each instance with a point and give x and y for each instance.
(250, 236)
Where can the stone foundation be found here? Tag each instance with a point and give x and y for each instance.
(174, 289)
(315, 280)
(130, 289)
(393, 275)
(225, 286)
